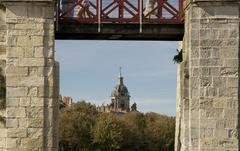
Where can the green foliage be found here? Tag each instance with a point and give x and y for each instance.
(75, 126)
(108, 133)
(160, 130)
(134, 125)
(83, 128)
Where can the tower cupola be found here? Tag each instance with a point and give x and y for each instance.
(120, 96)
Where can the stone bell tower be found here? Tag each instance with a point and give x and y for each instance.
(120, 97)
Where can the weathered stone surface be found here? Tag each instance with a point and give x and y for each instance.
(17, 91)
(37, 101)
(30, 74)
(24, 101)
(31, 81)
(16, 71)
(12, 123)
(35, 112)
(12, 102)
(2, 142)
(35, 122)
(210, 120)
(14, 112)
(16, 132)
(22, 122)
(12, 142)
(32, 62)
(3, 132)
(47, 92)
(31, 143)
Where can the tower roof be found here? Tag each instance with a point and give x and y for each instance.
(120, 89)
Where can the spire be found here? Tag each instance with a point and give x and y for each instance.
(120, 78)
(120, 71)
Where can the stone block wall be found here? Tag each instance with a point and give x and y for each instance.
(211, 42)
(3, 32)
(2, 104)
(182, 102)
(32, 77)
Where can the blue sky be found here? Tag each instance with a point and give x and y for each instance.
(89, 70)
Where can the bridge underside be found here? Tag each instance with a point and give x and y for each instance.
(72, 30)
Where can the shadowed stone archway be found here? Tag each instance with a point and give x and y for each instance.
(208, 79)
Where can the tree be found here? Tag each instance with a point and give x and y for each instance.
(134, 125)
(75, 126)
(160, 132)
(108, 132)
(82, 128)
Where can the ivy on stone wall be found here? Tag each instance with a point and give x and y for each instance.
(2, 94)
(2, 119)
(2, 91)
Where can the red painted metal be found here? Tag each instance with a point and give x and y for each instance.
(124, 11)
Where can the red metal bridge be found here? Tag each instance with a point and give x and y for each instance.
(119, 19)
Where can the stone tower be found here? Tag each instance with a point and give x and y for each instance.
(120, 97)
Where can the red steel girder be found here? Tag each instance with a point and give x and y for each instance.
(99, 14)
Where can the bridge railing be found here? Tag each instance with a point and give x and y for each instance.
(120, 11)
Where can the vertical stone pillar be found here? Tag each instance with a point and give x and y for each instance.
(182, 102)
(212, 45)
(31, 77)
(178, 110)
(3, 32)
